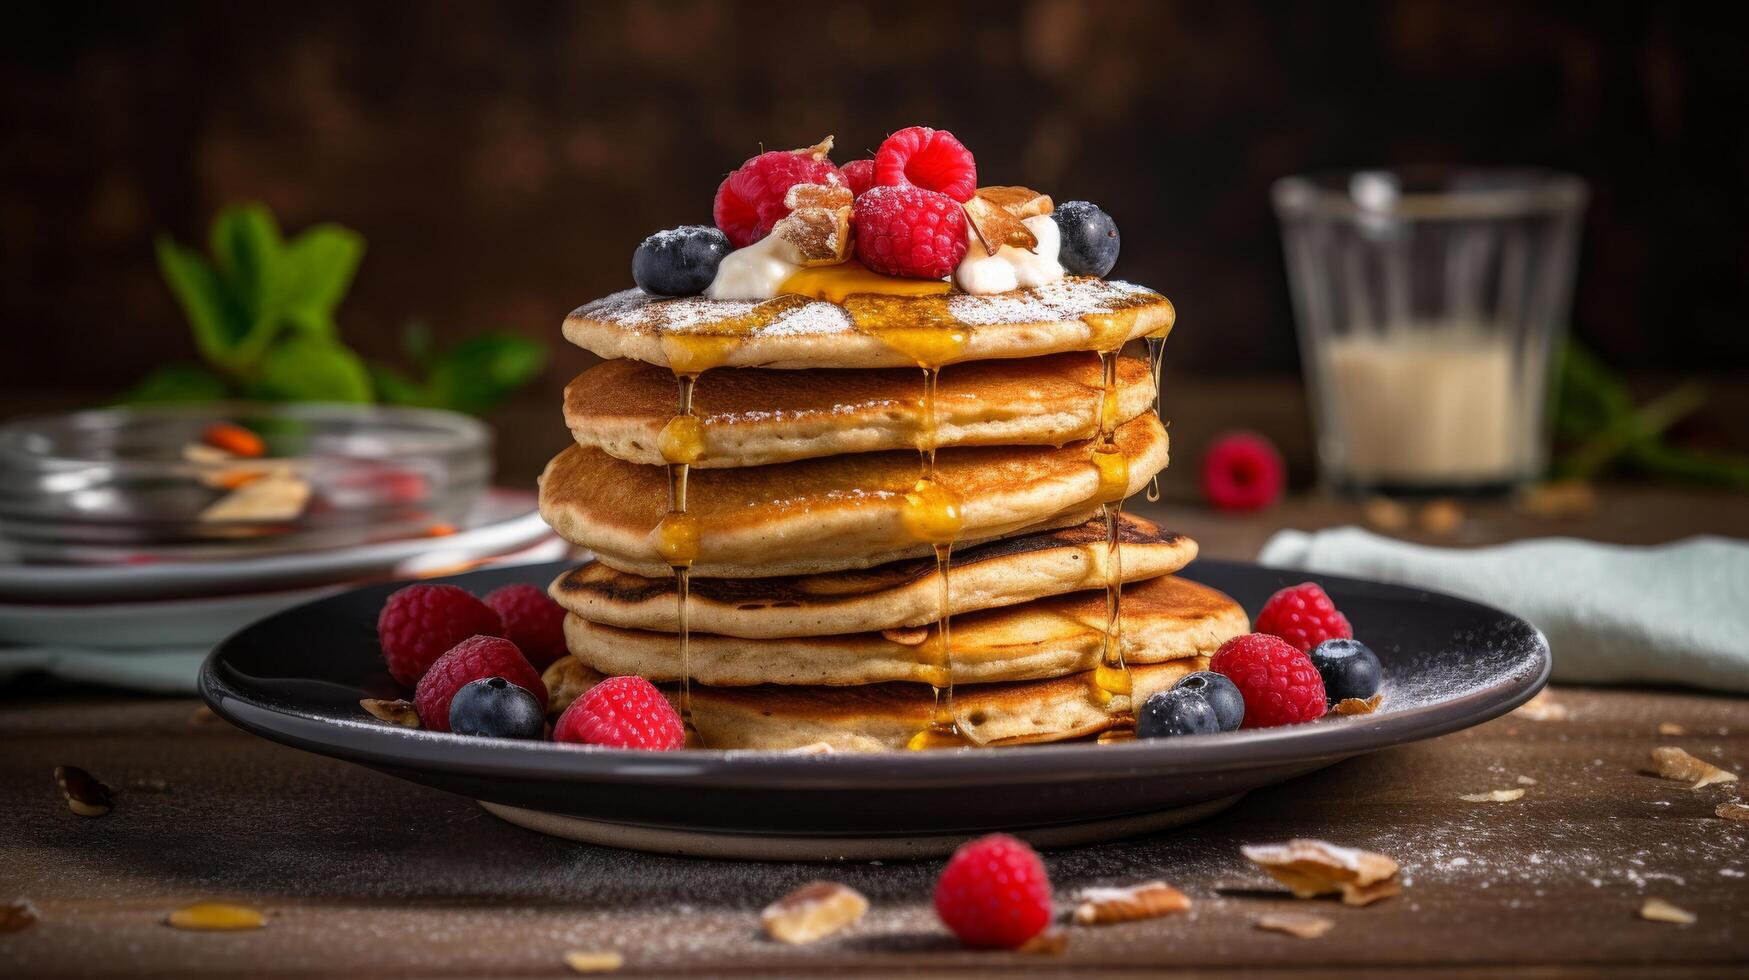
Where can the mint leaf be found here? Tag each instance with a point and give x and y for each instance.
(178, 384)
(317, 270)
(477, 373)
(216, 320)
(247, 248)
(305, 368)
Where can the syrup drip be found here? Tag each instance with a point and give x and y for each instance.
(1112, 677)
(677, 536)
(1156, 356)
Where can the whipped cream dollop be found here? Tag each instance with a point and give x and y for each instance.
(980, 273)
(754, 272)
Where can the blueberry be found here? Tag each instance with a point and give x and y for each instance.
(680, 261)
(1220, 692)
(1176, 712)
(1349, 667)
(495, 707)
(1089, 238)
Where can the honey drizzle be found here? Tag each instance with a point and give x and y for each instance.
(1156, 342)
(1112, 684)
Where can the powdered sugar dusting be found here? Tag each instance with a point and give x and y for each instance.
(1065, 299)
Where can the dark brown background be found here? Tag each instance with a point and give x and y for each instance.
(504, 159)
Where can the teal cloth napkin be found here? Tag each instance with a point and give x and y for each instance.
(1674, 613)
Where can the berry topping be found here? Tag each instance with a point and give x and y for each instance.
(928, 158)
(1089, 239)
(1278, 682)
(473, 659)
(750, 200)
(680, 261)
(532, 621)
(1241, 472)
(1222, 696)
(496, 708)
(1179, 711)
(858, 175)
(1350, 669)
(1303, 616)
(994, 893)
(909, 231)
(420, 622)
(622, 713)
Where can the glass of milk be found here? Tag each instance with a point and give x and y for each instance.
(1430, 304)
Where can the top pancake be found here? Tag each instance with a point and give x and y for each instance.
(1074, 313)
(754, 417)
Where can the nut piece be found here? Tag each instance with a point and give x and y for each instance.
(566, 680)
(998, 216)
(85, 795)
(397, 712)
(18, 915)
(1732, 811)
(1022, 202)
(819, 151)
(1658, 910)
(1051, 942)
(1295, 924)
(1497, 796)
(1358, 706)
(1543, 707)
(592, 961)
(1102, 906)
(1385, 514)
(1315, 867)
(813, 912)
(216, 917)
(817, 229)
(1441, 517)
(1673, 763)
(828, 196)
(274, 497)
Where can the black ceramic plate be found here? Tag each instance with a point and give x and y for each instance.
(296, 677)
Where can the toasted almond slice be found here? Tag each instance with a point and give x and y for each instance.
(1022, 202)
(996, 227)
(1732, 811)
(397, 712)
(1294, 924)
(828, 196)
(18, 915)
(1543, 707)
(594, 961)
(1359, 706)
(1363, 895)
(216, 917)
(1658, 910)
(813, 912)
(1315, 867)
(1526, 781)
(1051, 942)
(85, 794)
(1674, 763)
(1102, 906)
(273, 497)
(1495, 796)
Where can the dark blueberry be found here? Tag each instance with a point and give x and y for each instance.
(1090, 240)
(680, 261)
(1176, 712)
(495, 707)
(1349, 667)
(1220, 692)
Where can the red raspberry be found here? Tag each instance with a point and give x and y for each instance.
(928, 158)
(908, 231)
(858, 175)
(750, 200)
(532, 621)
(420, 622)
(475, 658)
(1279, 683)
(1304, 616)
(994, 893)
(1242, 471)
(623, 713)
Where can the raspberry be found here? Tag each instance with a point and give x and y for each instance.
(908, 231)
(475, 658)
(750, 200)
(532, 621)
(1304, 616)
(623, 713)
(1242, 471)
(858, 175)
(1279, 683)
(420, 622)
(994, 893)
(928, 158)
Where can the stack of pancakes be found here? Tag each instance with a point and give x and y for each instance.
(814, 608)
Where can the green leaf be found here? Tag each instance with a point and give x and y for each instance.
(218, 324)
(1718, 469)
(317, 270)
(303, 368)
(395, 388)
(477, 373)
(248, 250)
(178, 384)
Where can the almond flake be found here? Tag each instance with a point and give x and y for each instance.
(1051, 942)
(18, 915)
(1359, 706)
(1022, 202)
(85, 795)
(828, 196)
(216, 917)
(1543, 707)
(996, 227)
(1658, 910)
(1732, 811)
(813, 912)
(1526, 781)
(274, 497)
(593, 961)
(1674, 763)
(1103, 906)
(819, 151)
(397, 712)
(1294, 924)
(1671, 728)
(906, 636)
(1497, 796)
(1315, 867)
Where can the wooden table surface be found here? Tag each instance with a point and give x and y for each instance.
(363, 875)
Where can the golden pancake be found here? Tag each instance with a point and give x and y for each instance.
(885, 716)
(754, 417)
(898, 594)
(1164, 618)
(868, 331)
(820, 515)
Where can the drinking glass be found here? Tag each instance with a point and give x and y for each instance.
(1430, 303)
